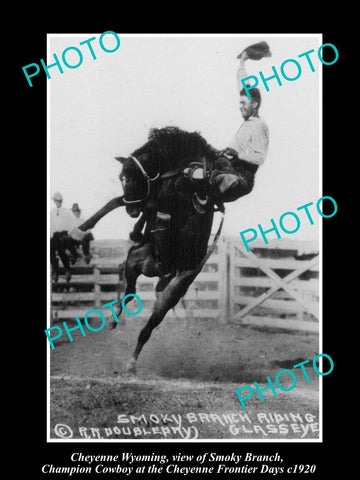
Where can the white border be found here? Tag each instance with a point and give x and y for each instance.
(179, 440)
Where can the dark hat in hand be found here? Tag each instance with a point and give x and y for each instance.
(257, 51)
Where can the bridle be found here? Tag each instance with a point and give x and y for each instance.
(146, 177)
(187, 172)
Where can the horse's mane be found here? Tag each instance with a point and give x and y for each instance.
(173, 147)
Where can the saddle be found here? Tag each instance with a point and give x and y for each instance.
(197, 172)
(200, 174)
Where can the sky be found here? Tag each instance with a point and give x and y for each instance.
(106, 107)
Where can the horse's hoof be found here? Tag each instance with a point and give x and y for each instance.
(131, 367)
(112, 325)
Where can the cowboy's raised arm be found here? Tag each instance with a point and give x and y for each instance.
(241, 71)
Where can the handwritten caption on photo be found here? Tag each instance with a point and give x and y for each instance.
(194, 425)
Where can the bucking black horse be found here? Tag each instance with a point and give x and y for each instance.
(159, 177)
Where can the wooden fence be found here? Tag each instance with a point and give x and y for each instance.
(276, 285)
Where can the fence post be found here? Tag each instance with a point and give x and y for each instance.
(231, 276)
(97, 287)
(224, 280)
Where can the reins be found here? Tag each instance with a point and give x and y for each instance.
(188, 172)
(169, 174)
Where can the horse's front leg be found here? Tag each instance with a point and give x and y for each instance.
(128, 276)
(139, 261)
(165, 300)
(79, 232)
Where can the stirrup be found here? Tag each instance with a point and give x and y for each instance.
(199, 204)
(196, 172)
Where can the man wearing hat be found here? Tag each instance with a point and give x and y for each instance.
(60, 217)
(237, 164)
(77, 214)
(235, 167)
(85, 242)
(247, 150)
(61, 221)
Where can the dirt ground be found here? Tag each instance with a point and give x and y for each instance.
(185, 385)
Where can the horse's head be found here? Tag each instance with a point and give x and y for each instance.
(135, 181)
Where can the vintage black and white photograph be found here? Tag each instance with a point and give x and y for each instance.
(185, 211)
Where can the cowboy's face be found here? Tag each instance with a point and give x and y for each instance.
(57, 202)
(76, 213)
(247, 106)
